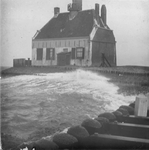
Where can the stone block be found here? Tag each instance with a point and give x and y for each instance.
(110, 116)
(91, 125)
(128, 108)
(64, 140)
(141, 106)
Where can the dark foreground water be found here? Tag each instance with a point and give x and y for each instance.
(33, 106)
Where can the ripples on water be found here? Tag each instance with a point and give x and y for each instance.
(55, 100)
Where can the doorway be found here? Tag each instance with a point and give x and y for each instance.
(63, 59)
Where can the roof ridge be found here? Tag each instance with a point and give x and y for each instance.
(78, 11)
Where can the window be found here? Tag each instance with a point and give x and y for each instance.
(50, 54)
(80, 52)
(39, 53)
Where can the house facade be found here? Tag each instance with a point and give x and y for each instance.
(74, 38)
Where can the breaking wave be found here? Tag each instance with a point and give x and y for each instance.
(33, 101)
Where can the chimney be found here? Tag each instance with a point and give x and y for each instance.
(104, 14)
(97, 9)
(77, 5)
(56, 11)
(74, 8)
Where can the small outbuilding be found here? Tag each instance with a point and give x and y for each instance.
(77, 37)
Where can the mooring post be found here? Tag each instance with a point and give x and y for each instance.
(141, 106)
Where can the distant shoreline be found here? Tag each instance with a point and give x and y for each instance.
(4, 68)
(129, 70)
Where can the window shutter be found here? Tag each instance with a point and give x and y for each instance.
(53, 57)
(39, 53)
(83, 53)
(73, 53)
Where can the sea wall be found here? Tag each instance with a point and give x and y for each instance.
(118, 129)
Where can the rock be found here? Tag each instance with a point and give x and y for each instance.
(132, 105)
(110, 116)
(123, 111)
(45, 144)
(78, 131)
(64, 140)
(102, 120)
(91, 125)
(117, 113)
(129, 109)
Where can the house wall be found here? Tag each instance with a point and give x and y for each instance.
(110, 53)
(103, 42)
(96, 54)
(107, 48)
(59, 45)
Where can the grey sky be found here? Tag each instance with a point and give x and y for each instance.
(128, 18)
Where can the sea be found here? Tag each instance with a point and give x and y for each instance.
(33, 106)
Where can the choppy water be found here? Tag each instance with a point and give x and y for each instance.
(50, 102)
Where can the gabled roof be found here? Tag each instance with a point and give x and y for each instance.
(103, 35)
(63, 27)
(80, 26)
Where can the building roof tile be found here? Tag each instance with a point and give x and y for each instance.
(103, 35)
(62, 27)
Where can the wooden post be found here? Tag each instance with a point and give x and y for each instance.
(141, 105)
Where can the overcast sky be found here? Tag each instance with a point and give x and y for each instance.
(129, 19)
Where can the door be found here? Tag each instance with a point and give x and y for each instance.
(63, 59)
(68, 59)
